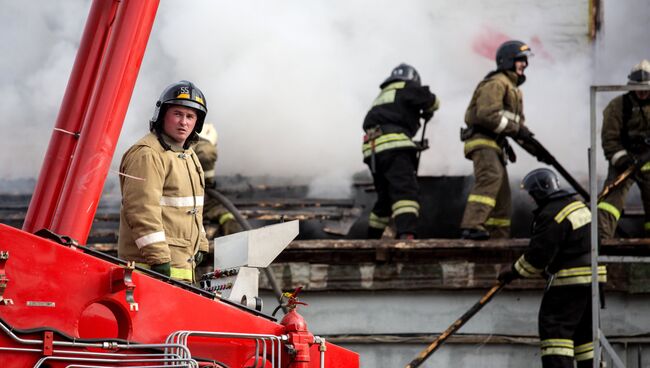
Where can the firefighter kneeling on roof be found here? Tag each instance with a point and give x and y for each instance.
(560, 250)
(626, 142)
(391, 154)
(162, 185)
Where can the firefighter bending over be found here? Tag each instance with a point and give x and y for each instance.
(626, 142)
(162, 185)
(559, 250)
(390, 153)
(213, 211)
(494, 113)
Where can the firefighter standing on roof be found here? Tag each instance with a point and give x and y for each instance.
(162, 188)
(390, 153)
(626, 142)
(560, 250)
(494, 113)
(213, 210)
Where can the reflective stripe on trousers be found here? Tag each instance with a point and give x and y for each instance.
(405, 206)
(584, 351)
(562, 347)
(489, 201)
(497, 222)
(377, 222)
(182, 274)
(610, 208)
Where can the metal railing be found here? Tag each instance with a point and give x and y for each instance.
(598, 337)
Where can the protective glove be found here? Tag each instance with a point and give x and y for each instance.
(507, 274)
(200, 257)
(624, 162)
(163, 269)
(524, 134)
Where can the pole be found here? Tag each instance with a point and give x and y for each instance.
(424, 145)
(103, 121)
(70, 119)
(541, 151)
(424, 354)
(595, 297)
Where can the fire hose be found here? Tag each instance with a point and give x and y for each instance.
(426, 353)
(247, 226)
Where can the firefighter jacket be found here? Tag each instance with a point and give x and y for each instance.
(495, 111)
(161, 212)
(560, 245)
(626, 127)
(395, 116)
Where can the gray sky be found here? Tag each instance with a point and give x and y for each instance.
(289, 82)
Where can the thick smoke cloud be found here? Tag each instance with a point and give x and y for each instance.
(289, 82)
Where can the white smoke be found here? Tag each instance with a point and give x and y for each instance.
(288, 82)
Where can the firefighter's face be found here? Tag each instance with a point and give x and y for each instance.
(520, 66)
(643, 95)
(179, 123)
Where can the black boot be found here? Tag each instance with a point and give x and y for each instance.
(474, 234)
(374, 233)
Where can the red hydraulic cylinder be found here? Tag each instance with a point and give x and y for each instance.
(73, 108)
(103, 121)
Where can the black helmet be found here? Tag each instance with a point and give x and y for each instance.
(183, 93)
(402, 72)
(540, 184)
(640, 74)
(509, 52)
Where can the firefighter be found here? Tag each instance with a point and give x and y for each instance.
(626, 142)
(213, 210)
(390, 152)
(162, 185)
(494, 113)
(559, 250)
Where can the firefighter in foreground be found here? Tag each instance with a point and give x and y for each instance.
(494, 113)
(390, 152)
(559, 250)
(162, 185)
(626, 142)
(213, 211)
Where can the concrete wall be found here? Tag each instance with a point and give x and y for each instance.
(509, 313)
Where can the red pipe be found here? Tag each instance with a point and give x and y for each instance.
(103, 122)
(73, 108)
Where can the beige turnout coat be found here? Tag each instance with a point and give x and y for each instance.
(162, 205)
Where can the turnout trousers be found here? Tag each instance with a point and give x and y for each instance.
(397, 190)
(565, 327)
(609, 209)
(489, 204)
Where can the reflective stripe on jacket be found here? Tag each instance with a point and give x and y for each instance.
(560, 243)
(162, 200)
